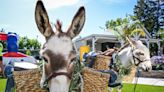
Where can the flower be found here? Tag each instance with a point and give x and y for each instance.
(157, 59)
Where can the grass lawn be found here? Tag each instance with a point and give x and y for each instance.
(126, 87)
(142, 88)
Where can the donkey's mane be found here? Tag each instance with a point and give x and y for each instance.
(58, 25)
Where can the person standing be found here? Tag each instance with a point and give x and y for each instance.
(1, 64)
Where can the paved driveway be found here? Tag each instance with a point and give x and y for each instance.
(150, 81)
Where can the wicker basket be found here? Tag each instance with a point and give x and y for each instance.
(102, 62)
(94, 81)
(28, 81)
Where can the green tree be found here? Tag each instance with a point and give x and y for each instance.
(114, 23)
(28, 52)
(3, 42)
(26, 43)
(126, 27)
(150, 13)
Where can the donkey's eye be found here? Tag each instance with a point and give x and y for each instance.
(137, 54)
(141, 53)
(45, 59)
(73, 59)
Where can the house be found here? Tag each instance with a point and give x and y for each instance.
(100, 42)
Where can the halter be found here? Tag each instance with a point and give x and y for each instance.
(134, 58)
(55, 74)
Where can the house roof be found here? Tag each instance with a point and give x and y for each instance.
(109, 37)
(97, 37)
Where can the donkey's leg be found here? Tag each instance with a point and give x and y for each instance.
(118, 89)
(43, 78)
(110, 89)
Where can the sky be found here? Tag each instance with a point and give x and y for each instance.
(18, 15)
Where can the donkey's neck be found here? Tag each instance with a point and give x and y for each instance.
(60, 83)
(125, 56)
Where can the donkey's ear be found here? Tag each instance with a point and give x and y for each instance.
(77, 23)
(131, 42)
(42, 20)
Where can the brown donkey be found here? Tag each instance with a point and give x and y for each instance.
(58, 49)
